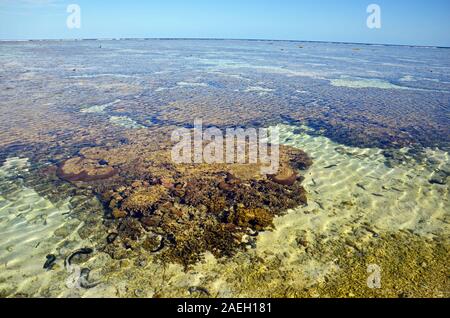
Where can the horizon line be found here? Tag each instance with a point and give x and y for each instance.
(220, 39)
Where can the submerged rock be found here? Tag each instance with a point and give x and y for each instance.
(257, 219)
(143, 199)
(84, 279)
(440, 178)
(85, 170)
(192, 208)
(77, 254)
(50, 262)
(285, 177)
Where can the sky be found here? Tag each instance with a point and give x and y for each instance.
(409, 22)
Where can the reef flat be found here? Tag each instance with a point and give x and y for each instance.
(388, 96)
(92, 204)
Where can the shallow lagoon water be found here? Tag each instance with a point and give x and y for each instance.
(374, 120)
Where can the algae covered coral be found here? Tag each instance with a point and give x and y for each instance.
(85, 162)
(185, 210)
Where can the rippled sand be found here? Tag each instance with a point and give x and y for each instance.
(32, 227)
(362, 210)
(355, 184)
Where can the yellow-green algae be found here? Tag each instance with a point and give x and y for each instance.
(411, 266)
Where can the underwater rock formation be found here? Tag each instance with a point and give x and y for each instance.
(181, 211)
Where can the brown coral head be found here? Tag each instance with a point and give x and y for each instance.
(285, 176)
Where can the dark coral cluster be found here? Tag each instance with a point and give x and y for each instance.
(180, 212)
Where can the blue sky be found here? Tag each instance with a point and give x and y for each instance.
(417, 22)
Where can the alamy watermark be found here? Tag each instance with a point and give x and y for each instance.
(374, 19)
(232, 146)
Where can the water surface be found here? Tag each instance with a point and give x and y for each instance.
(373, 119)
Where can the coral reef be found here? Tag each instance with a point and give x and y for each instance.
(82, 169)
(257, 219)
(193, 208)
(97, 138)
